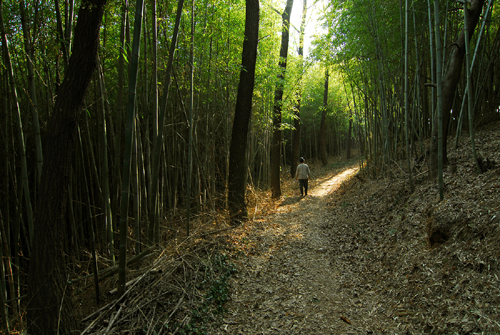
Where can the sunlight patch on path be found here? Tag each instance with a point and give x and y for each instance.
(331, 184)
(285, 284)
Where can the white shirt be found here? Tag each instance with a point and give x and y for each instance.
(303, 171)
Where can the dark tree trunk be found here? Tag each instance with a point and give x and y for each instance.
(349, 142)
(220, 160)
(451, 80)
(296, 121)
(278, 97)
(322, 128)
(48, 299)
(295, 140)
(237, 179)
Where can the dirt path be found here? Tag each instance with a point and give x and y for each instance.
(287, 285)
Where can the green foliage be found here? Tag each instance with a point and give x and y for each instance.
(312, 97)
(216, 287)
(361, 24)
(218, 290)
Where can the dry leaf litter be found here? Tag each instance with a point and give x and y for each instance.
(355, 256)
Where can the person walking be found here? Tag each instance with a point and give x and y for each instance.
(303, 174)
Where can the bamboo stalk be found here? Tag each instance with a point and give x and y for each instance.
(129, 135)
(32, 92)
(469, 91)
(407, 105)
(20, 132)
(90, 222)
(3, 307)
(8, 267)
(108, 216)
(439, 100)
(108, 272)
(153, 193)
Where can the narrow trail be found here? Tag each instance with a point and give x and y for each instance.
(286, 284)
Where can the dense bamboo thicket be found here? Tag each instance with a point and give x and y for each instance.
(153, 138)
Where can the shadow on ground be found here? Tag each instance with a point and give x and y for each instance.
(291, 201)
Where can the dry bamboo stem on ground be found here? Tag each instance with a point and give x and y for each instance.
(112, 270)
(112, 305)
(112, 321)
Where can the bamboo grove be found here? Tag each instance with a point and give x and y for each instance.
(151, 154)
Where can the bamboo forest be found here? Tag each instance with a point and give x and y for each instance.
(126, 126)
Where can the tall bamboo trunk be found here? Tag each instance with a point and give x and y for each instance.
(116, 180)
(154, 28)
(349, 139)
(7, 266)
(470, 98)
(90, 220)
(155, 171)
(129, 137)
(278, 103)
(440, 138)
(20, 132)
(190, 125)
(296, 133)
(407, 105)
(450, 81)
(322, 127)
(418, 121)
(4, 314)
(108, 215)
(31, 89)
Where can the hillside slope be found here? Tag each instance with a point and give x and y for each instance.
(435, 265)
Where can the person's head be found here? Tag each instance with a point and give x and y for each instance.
(302, 160)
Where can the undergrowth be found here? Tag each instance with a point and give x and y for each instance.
(215, 286)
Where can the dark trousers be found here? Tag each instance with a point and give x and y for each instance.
(303, 186)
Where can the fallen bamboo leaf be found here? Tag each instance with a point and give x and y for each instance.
(345, 319)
